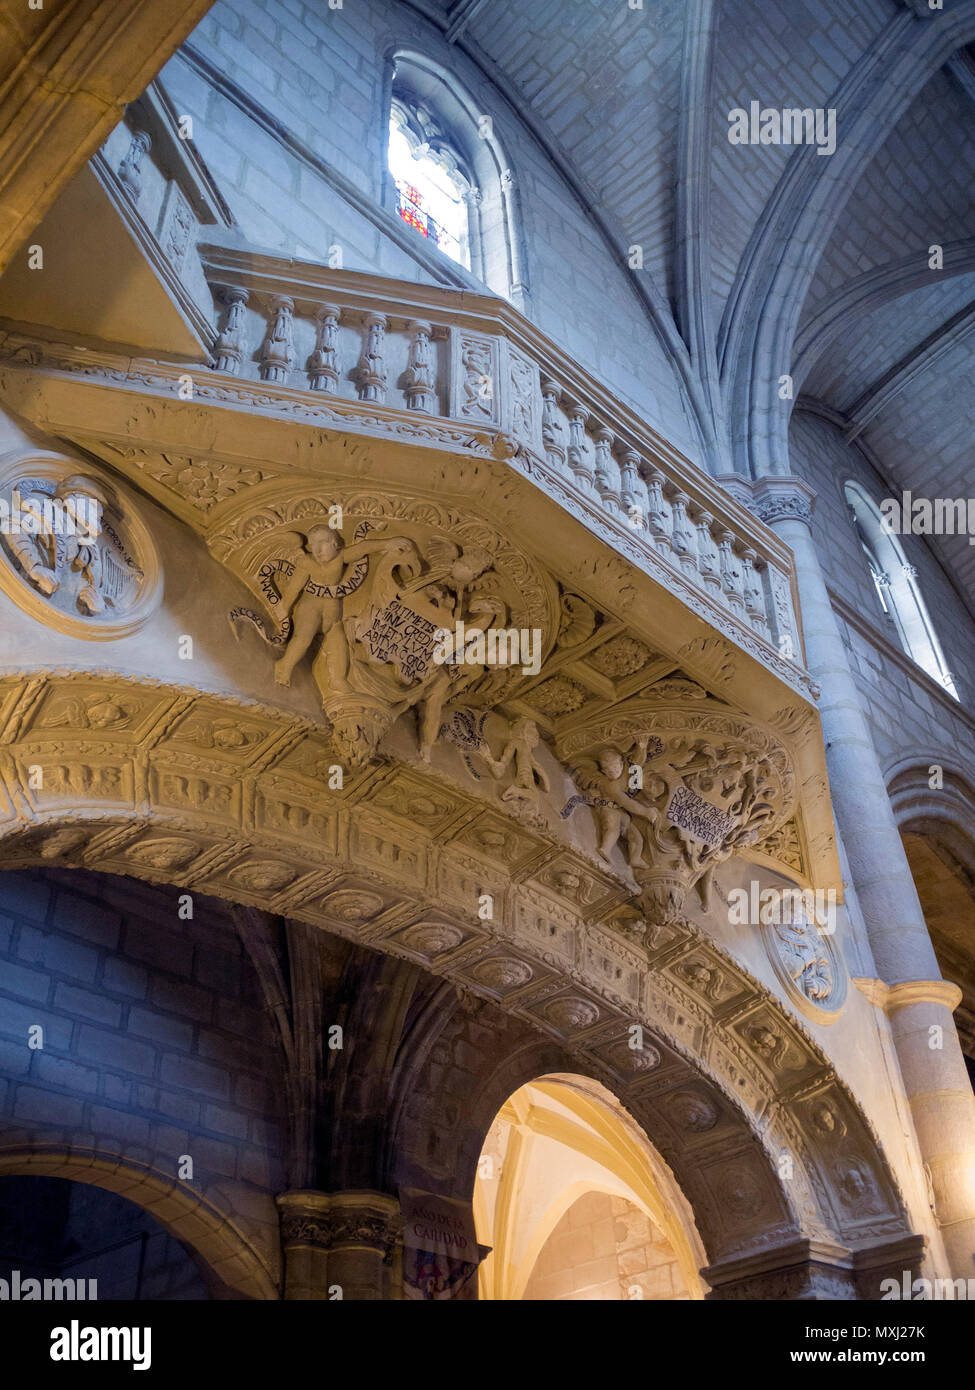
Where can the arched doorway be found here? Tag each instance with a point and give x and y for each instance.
(94, 1243)
(577, 1205)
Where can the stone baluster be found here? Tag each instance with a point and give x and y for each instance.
(633, 490)
(553, 429)
(420, 370)
(278, 351)
(130, 169)
(730, 570)
(606, 472)
(578, 448)
(230, 346)
(658, 518)
(753, 592)
(324, 361)
(372, 365)
(708, 559)
(683, 539)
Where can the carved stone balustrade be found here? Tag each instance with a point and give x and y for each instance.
(369, 342)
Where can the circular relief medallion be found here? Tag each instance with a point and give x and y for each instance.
(502, 974)
(569, 1015)
(692, 1112)
(805, 959)
(74, 551)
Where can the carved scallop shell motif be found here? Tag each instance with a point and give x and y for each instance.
(570, 1015)
(163, 853)
(266, 876)
(502, 974)
(352, 905)
(432, 938)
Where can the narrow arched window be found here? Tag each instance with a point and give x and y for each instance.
(453, 182)
(895, 581)
(433, 186)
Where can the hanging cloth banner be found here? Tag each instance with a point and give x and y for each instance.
(440, 1253)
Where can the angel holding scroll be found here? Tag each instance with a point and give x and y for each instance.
(326, 571)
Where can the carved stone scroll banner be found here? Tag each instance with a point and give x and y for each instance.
(75, 552)
(404, 636)
(700, 818)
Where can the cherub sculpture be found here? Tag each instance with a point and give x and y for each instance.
(310, 602)
(618, 815)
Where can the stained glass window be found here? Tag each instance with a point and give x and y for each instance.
(430, 195)
(897, 590)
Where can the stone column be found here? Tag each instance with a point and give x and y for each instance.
(340, 1245)
(918, 1002)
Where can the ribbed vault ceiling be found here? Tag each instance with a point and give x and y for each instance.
(635, 103)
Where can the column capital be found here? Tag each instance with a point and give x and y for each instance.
(782, 499)
(334, 1220)
(808, 1268)
(800, 1268)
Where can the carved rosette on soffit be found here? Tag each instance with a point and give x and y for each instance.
(75, 551)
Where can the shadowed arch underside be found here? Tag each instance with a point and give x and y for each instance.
(233, 801)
